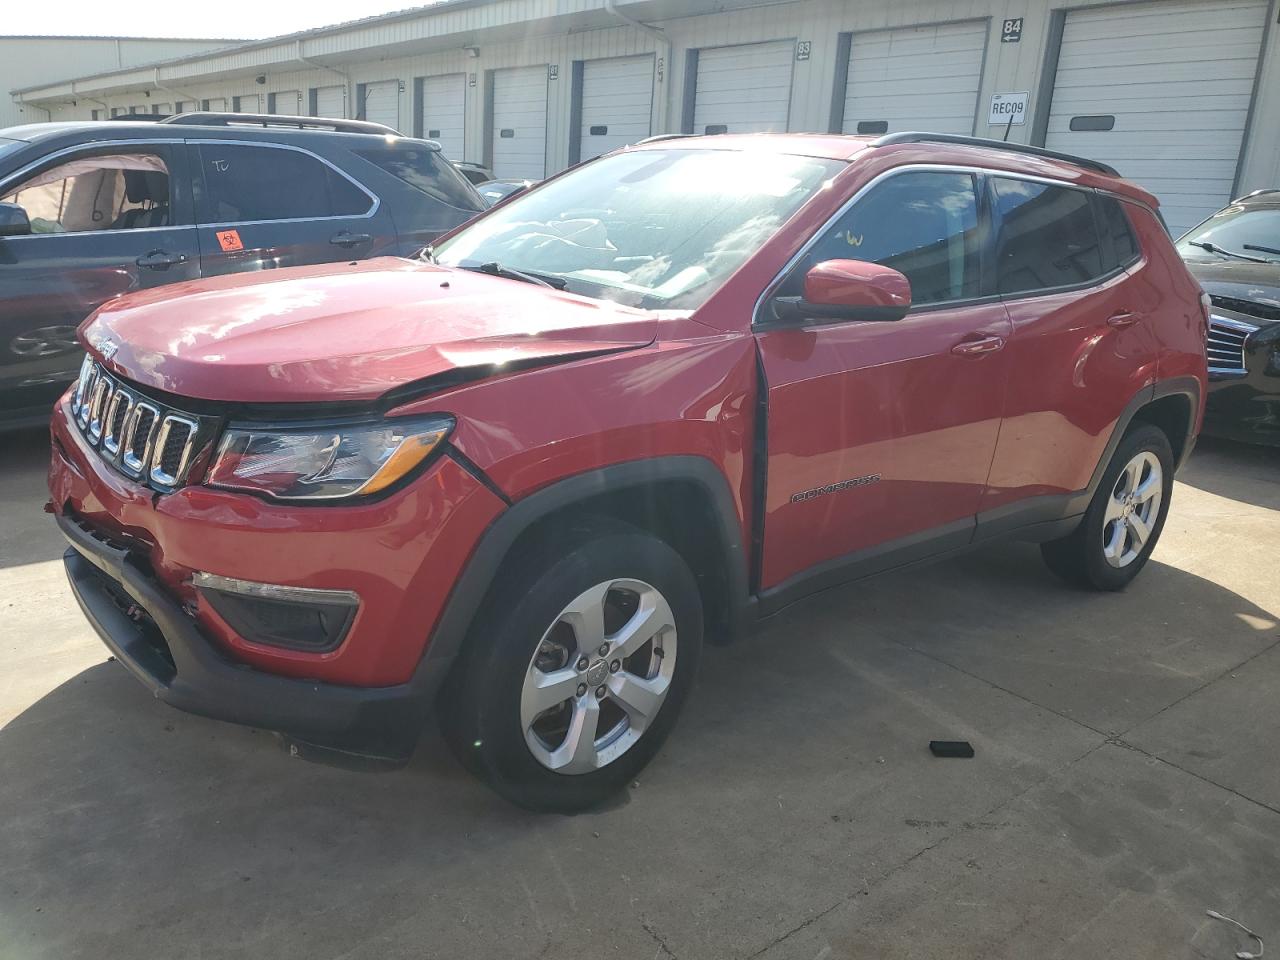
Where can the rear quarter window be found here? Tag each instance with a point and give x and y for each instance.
(1117, 232)
(427, 172)
(1046, 238)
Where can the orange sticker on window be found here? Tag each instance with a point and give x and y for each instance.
(229, 240)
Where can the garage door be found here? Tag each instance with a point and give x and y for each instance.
(382, 103)
(744, 89)
(248, 104)
(520, 122)
(331, 102)
(444, 111)
(916, 78)
(215, 104)
(286, 103)
(617, 104)
(1161, 92)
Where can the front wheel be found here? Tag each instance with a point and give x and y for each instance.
(576, 673)
(1124, 519)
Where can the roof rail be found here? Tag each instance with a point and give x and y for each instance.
(913, 137)
(211, 119)
(661, 137)
(1256, 193)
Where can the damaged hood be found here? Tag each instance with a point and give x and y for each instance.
(350, 331)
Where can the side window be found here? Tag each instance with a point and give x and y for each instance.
(1047, 236)
(428, 173)
(108, 192)
(1116, 228)
(922, 224)
(243, 183)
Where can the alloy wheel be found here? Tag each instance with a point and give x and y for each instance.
(599, 676)
(1132, 509)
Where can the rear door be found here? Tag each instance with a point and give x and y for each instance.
(1082, 344)
(262, 206)
(743, 89)
(915, 78)
(380, 103)
(880, 434)
(520, 123)
(108, 220)
(444, 112)
(617, 105)
(330, 102)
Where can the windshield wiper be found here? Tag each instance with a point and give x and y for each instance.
(427, 254)
(1261, 249)
(495, 269)
(1221, 251)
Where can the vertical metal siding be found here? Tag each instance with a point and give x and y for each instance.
(560, 32)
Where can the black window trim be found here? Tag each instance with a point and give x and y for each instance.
(179, 202)
(369, 214)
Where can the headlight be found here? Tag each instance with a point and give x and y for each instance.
(324, 462)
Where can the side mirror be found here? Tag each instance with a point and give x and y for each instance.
(849, 290)
(13, 221)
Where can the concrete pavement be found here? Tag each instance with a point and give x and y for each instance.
(1127, 778)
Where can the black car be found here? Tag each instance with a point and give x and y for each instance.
(1235, 255)
(91, 211)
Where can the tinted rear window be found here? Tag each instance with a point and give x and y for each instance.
(1047, 236)
(244, 183)
(427, 172)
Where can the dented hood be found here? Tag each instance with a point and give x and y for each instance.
(349, 331)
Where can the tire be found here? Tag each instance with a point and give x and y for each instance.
(1106, 551)
(538, 629)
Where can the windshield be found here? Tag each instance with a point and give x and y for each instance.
(1235, 230)
(651, 228)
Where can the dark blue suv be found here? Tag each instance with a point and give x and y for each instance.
(90, 211)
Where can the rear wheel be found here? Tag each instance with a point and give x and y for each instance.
(575, 676)
(1124, 519)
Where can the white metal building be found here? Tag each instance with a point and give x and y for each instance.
(1181, 95)
(26, 61)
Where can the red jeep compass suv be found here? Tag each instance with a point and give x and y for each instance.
(655, 399)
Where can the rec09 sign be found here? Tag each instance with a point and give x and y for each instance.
(1008, 108)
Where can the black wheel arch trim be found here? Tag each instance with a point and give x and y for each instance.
(497, 541)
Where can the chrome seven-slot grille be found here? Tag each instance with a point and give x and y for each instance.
(142, 438)
(1226, 344)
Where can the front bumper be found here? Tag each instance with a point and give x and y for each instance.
(155, 639)
(135, 553)
(1245, 406)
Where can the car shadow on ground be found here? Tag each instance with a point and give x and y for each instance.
(1246, 472)
(800, 764)
(27, 534)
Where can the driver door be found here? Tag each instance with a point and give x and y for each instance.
(881, 434)
(106, 220)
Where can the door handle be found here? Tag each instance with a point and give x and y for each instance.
(160, 260)
(348, 239)
(976, 348)
(1123, 319)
